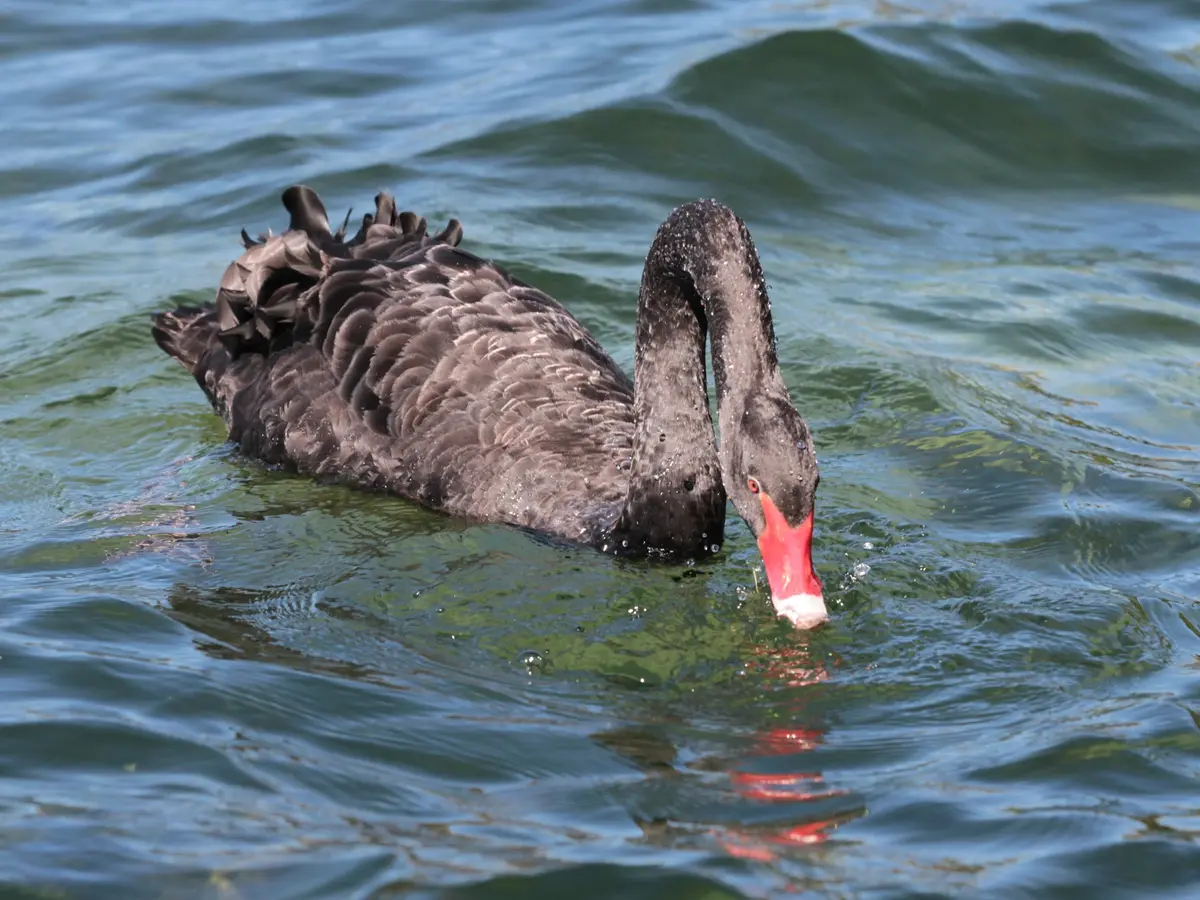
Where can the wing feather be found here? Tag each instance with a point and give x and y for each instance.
(396, 359)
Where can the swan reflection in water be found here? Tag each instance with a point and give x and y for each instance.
(775, 771)
(782, 803)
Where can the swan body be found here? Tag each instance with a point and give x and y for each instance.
(396, 360)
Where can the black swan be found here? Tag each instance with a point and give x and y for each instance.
(397, 361)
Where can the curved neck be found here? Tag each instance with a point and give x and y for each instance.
(702, 276)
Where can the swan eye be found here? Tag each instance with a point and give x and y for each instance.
(752, 483)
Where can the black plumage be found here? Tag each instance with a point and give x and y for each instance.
(395, 360)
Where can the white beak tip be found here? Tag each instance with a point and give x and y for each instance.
(802, 610)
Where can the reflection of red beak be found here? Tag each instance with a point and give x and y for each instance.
(787, 555)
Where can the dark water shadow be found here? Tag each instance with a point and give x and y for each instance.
(220, 618)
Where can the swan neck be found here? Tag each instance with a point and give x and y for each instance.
(706, 278)
(702, 278)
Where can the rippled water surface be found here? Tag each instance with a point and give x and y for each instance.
(981, 225)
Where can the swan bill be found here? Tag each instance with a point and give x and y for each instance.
(802, 610)
(787, 556)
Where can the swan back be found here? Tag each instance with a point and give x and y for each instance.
(396, 360)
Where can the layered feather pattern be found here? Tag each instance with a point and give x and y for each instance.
(397, 360)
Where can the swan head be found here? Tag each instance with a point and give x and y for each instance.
(772, 477)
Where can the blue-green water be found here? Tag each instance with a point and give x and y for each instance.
(981, 225)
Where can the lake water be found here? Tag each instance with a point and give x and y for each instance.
(981, 225)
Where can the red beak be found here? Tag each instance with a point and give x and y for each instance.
(787, 555)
